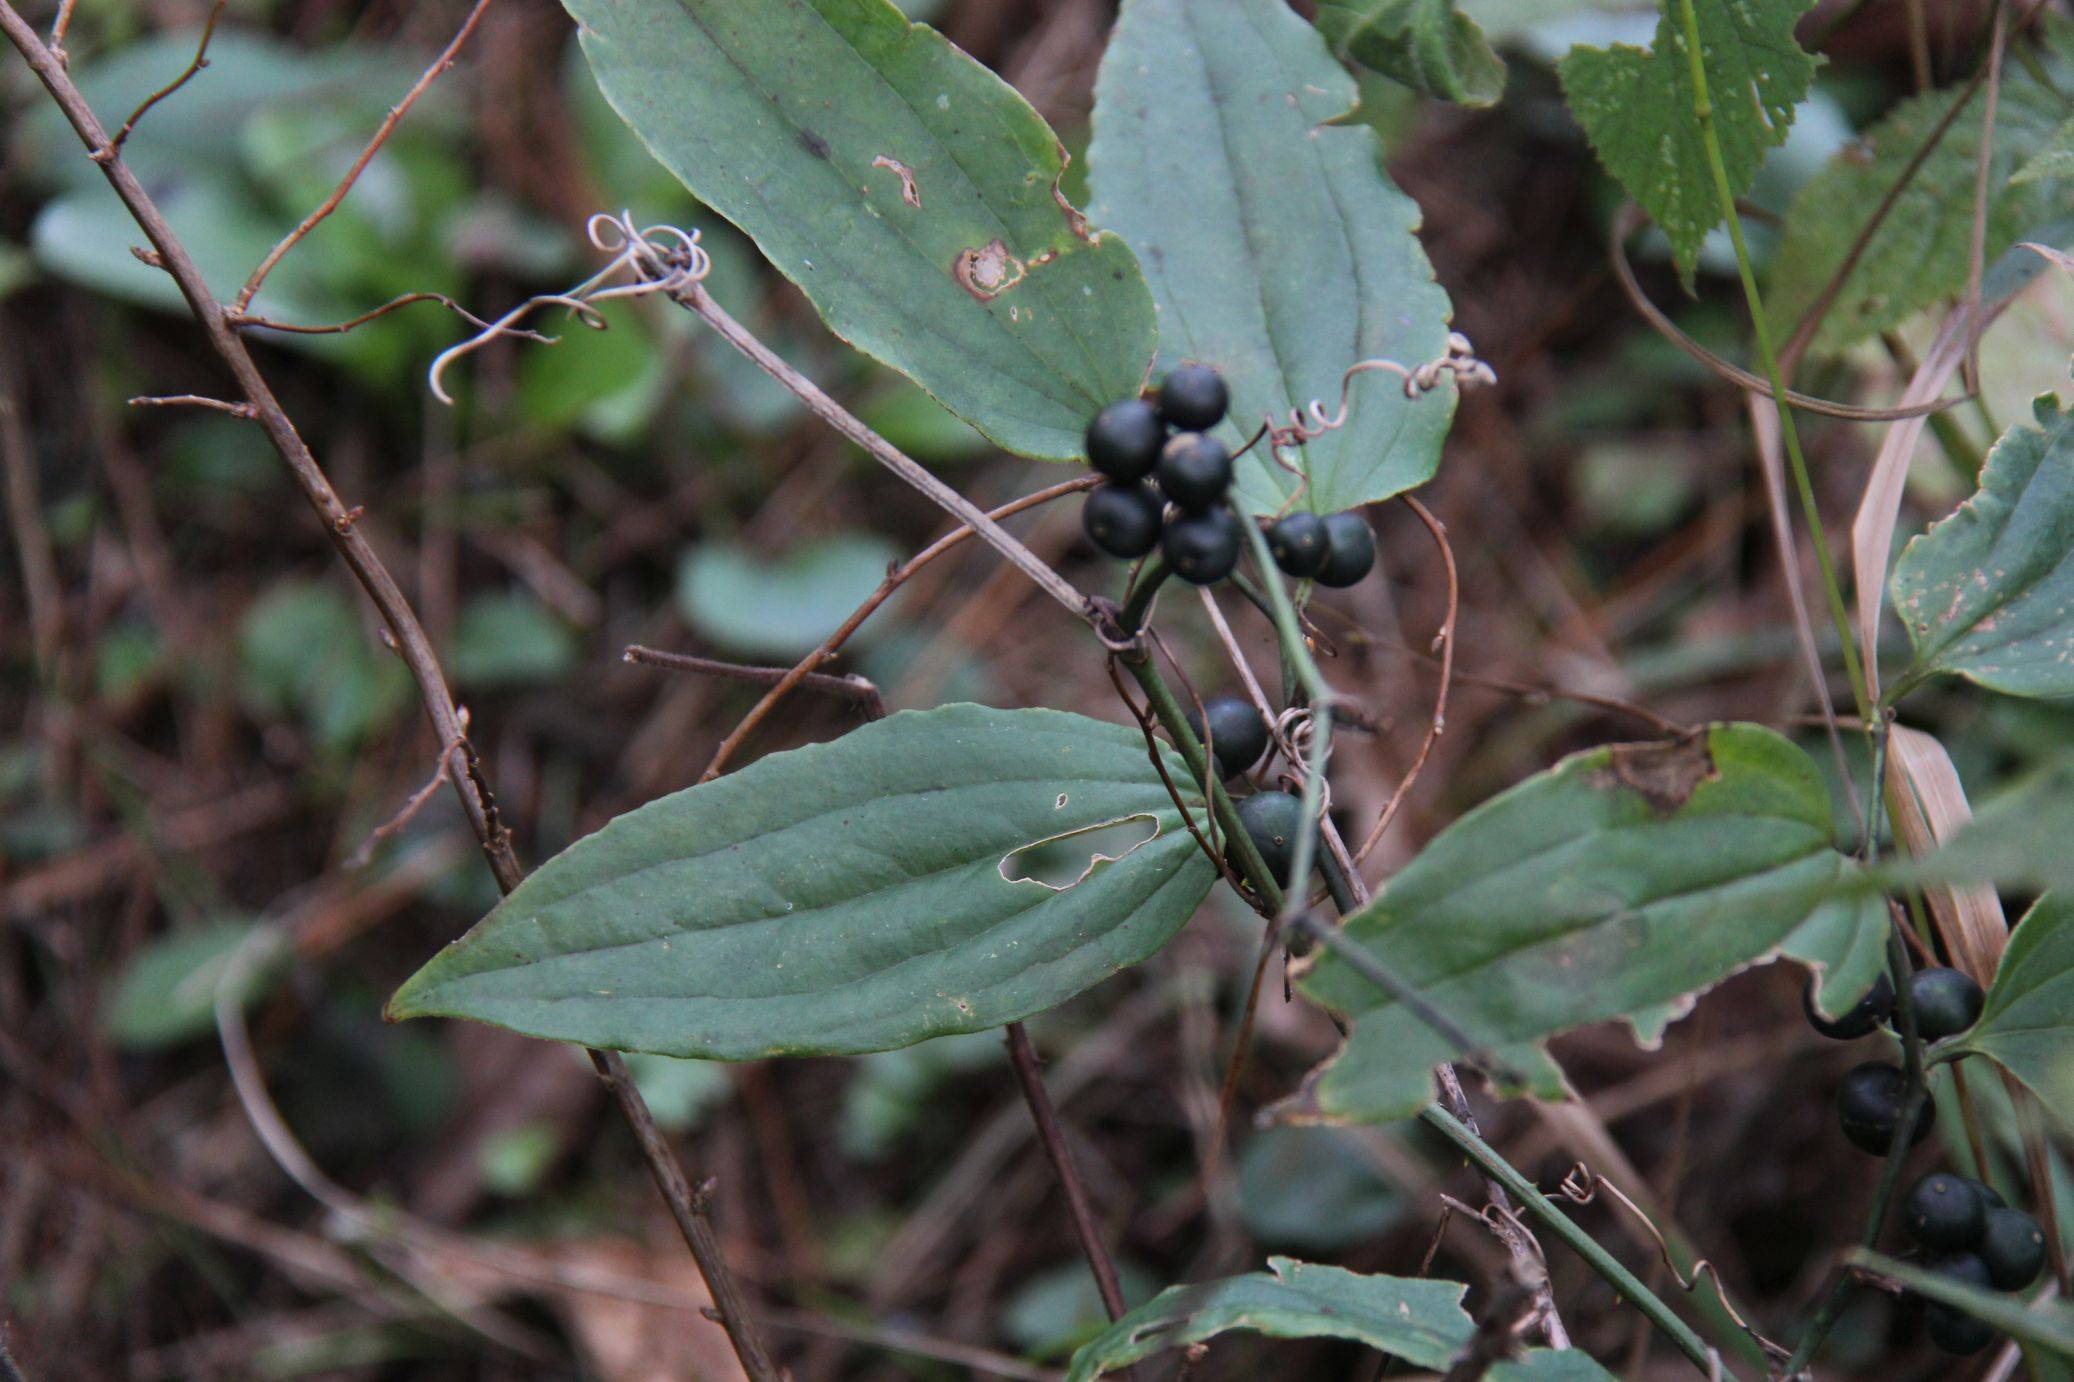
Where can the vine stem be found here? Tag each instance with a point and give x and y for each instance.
(412, 644)
(1703, 112)
(1626, 1283)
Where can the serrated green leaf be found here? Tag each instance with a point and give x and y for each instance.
(909, 192)
(1923, 250)
(1429, 45)
(1420, 1321)
(1988, 593)
(1278, 249)
(852, 896)
(1616, 884)
(2027, 1026)
(2043, 1324)
(1636, 106)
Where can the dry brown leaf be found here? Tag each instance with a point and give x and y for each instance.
(634, 1341)
(1929, 807)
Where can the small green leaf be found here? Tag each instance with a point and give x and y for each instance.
(851, 896)
(1844, 941)
(1278, 249)
(167, 993)
(1616, 884)
(1420, 1321)
(1314, 1189)
(1429, 45)
(507, 640)
(302, 650)
(1988, 593)
(1551, 1365)
(1922, 252)
(783, 607)
(2043, 1324)
(909, 192)
(2052, 162)
(1637, 107)
(2027, 1026)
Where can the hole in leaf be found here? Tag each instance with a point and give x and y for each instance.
(1063, 861)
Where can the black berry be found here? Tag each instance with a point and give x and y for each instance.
(1350, 550)
(1122, 520)
(1955, 1331)
(1204, 547)
(1944, 1213)
(1237, 735)
(1947, 1002)
(1274, 820)
(1868, 1104)
(1194, 470)
(1300, 543)
(2012, 1247)
(1124, 439)
(1193, 398)
(1871, 1010)
(1989, 1196)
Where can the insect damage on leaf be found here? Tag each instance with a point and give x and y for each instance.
(1664, 774)
(910, 191)
(1040, 861)
(989, 271)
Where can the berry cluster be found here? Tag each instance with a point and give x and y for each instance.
(1971, 1234)
(1237, 738)
(1868, 1102)
(1158, 451)
(1974, 1237)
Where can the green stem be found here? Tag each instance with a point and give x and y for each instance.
(1703, 111)
(1296, 656)
(1626, 1283)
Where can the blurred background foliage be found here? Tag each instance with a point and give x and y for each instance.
(207, 733)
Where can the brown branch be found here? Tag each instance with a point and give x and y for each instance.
(40, 586)
(381, 136)
(1438, 724)
(190, 400)
(895, 578)
(199, 61)
(409, 636)
(852, 687)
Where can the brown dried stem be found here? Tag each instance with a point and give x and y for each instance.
(1438, 724)
(411, 641)
(195, 64)
(851, 687)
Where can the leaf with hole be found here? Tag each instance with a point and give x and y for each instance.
(1637, 107)
(1429, 45)
(1617, 884)
(852, 896)
(1988, 593)
(909, 192)
(2027, 1027)
(1278, 249)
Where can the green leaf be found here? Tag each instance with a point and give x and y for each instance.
(910, 193)
(509, 640)
(1922, 252)
(2043, 1324)
(780, 608)
(1314, 1189)
(1551, 1365)
(1616, 884)
(1277, 248)
(2052, 162)
(851, 896)
(167, 993)
(1988, 593)
(1429, 45)
(2027, 1027)
(1420, 1321)
(1636, 107)
(1844, 942)
(303, 651)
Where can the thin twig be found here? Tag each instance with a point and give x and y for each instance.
(1437, 725)
(1976, 256)
(852, 687)
(191, 400)
(345, 185)
(408, 634)
(244, 319)
(830, 645)
(196, 64)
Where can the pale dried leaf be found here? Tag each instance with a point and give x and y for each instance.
(1929, 806)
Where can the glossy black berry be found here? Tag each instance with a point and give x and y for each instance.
(1955, 1331)
(1124, 439)
(1871, 1010)
(1944, 1213)
(1868, 1104)
(1947, 1002)
(1193, 398)
(1194, 470)
(1237, 735)
(1350, 550)
(1300, 543)
(2012, 1247)
(1273, 820)
(1122, 520)
(1203, 547)
(1989, 1196)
